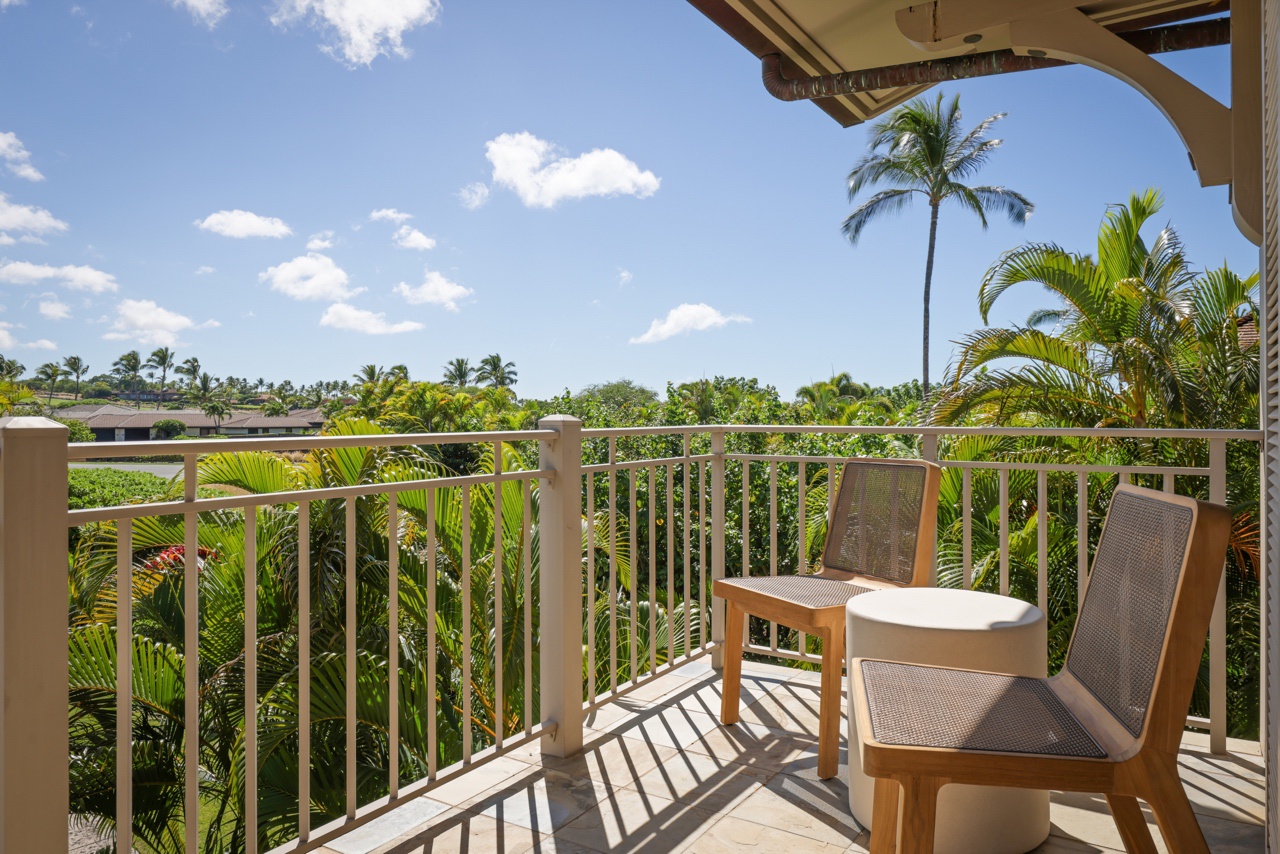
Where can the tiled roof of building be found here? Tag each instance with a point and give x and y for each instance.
(189, 417)
(81, 411)
(253, 420)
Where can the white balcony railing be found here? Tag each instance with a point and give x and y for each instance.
(623, 529)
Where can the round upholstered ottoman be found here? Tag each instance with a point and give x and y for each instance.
(965, 629)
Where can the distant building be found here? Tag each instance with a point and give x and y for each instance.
(112, 423)
(151, 396)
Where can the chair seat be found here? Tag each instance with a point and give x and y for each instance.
(916, 706)
(805, 591)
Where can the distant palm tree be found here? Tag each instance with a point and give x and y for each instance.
(399, 372)
(77, 368)
(274, 408)
(11, 369)
(369, 374)
(922, 148)
(49, 373)
(495, 372)
(204, 389)
(128, 367)
(215, 409)
(459, 373)
(190, 368)
(162, 360)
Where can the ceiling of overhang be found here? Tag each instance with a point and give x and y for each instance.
(817, 37)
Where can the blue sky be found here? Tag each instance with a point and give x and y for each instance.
(167, 135)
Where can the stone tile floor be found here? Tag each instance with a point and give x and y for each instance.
(659, 774)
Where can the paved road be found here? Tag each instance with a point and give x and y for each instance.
(164, 470)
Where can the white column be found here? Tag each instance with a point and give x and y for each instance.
(560, 584)
(34, 788)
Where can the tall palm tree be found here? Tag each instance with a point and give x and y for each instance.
(128, 367)
(77, 368)
(215, 409)
(190, 368)
(204, 389)
(459, 373)
(49, 373)
(922, 149)
(1137, 339)
(11, 369)
(495, 372)
(162, 360)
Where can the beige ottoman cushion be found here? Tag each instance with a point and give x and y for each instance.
(965, 629)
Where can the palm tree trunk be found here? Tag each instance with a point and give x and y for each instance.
(928, 283)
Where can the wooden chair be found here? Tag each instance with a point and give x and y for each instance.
(881, 535)
(1110, 721)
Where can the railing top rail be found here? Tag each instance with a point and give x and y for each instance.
(112, 450)
(673, 430)
(1059, 432)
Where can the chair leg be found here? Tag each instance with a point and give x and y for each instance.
(1173, 811)
(884, 816)
(919, 813)
(731, 680)
(829, 702)
(1131, 824)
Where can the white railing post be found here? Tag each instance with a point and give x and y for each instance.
(560, 584)
(718, 487)
(34, 785)
(1218, 622)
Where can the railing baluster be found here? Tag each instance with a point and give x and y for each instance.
(526, 545)
(652, 504)
(466, 623)
(124, 685)
(499, 708)
(802, 546)
(591, 597)
(1218, 620)
(684, 511)
(304, 670)
(1042, 540)
(746, 539)
(773, 542)
(671, 568)
(393, 643)
(433, 734)
(1169, 483)
(351, 656)
(613, 564)
(704, 498)
(718, 496)
(966, 515)
(1004, 532)
(1082, 536)
(191, 664)
(251, 680)
(633, 593)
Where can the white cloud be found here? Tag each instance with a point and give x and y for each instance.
(40, 344)
(474, 196)
(207, 12)
(529, 167)
(408, 237)
(6, 240)
(436, 290)
(389, 215)
(624, 277)
(684, 318)
(238, 223)
(4, 3)
(77, 278)
(205, 270)
(319, 241)
(310, 276)
(28, 218)
(15, 154)
(343, 316)
(32, 239)
(54, 309)
(143, 321)
(363, 29)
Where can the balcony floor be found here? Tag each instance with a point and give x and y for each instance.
(659, 774)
